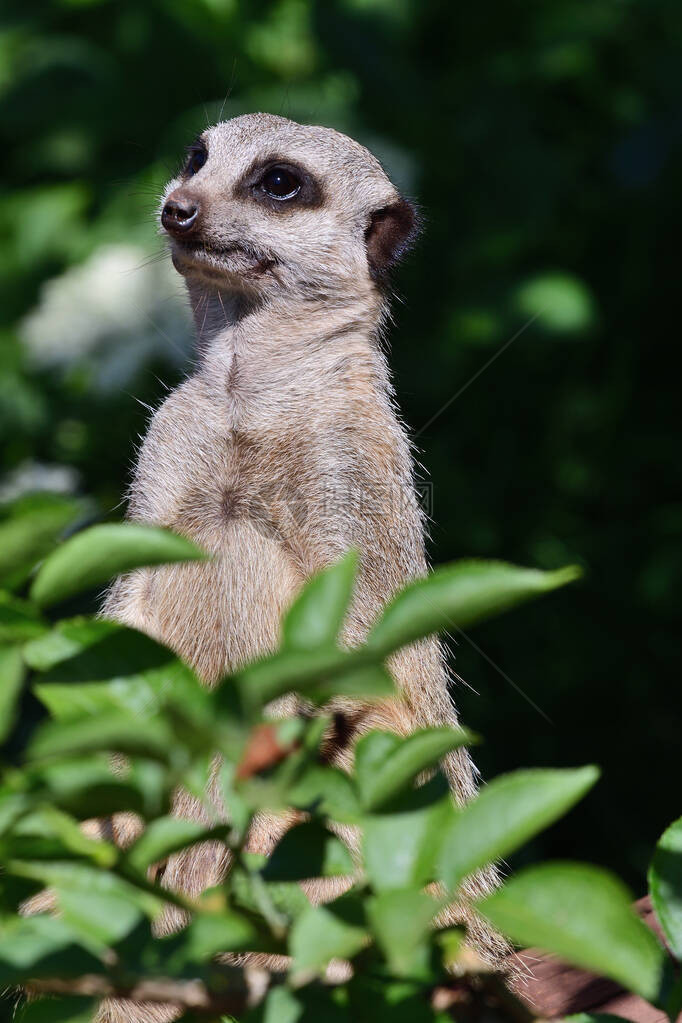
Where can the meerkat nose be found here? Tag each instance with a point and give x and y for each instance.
(180, 213)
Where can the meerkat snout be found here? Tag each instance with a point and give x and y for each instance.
(180, 213)
(267, 204)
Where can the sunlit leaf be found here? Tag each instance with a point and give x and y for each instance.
(364, 681)
(280, 1006)
(286, 672)
(83, 877)
(400, 846)
(665, 885)
(328, 791)
(94, 556)
(599, 1017)
(336, 930)
(11, 680)
(316, 616)
(280, 902)
(403, 761)
(167, 835)
(30, 531)
(40, 946)
(401, 920)
(100, 667)
(371, 752)
(115, 732)
(211, 934)
(66, 639)
(459, 595)
(506, 813)
(583, 914)
(47, 823)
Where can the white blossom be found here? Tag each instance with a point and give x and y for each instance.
(34, 477)
(114, 312)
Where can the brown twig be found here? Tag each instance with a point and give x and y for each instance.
(243, 989)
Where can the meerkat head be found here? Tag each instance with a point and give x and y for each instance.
(269, 206)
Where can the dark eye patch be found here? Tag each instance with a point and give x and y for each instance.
(280, 185)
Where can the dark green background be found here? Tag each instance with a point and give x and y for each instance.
(543, 141)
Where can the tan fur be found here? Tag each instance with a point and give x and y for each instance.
(284, 448)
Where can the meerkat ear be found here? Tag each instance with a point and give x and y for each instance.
(391, 233)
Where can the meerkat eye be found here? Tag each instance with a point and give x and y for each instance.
(196, 158)
(280, 183)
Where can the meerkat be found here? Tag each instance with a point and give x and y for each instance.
(284, 447)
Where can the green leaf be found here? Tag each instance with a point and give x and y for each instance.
(41, 946)
(71, 1009)
(78, 881)
(383, 777)
(19, 620)
(13, 806)
(399, 847)
(30, 531)
(371, 752)
(106, 651)
(672, 999)
(167, 835)
(11, 681)
(401, 921)
(97, 667)
(313, 1003)
(327, 791)
(278, 902)
(665, 885)
(46, 829)
(459, 595)
(88, 787)
(315, 618)
(68, 638)
(365, 682)
(287, 671)
(320, 674)
(403, 1000)
(308, 850)
(588, 1017)
(99, 917)
(211, 934)
(506, 813)
(97, 554)
(281, 1006)
(583, 914)
(116, 733)
(336, 930)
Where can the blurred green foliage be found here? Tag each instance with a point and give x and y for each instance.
(543, 143)
(394, 842)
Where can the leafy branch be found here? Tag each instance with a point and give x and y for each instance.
(109, 690)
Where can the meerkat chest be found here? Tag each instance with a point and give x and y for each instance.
(217, 458)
